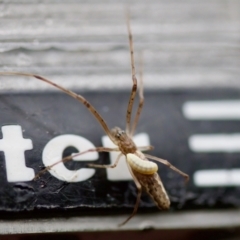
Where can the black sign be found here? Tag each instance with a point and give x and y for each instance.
(196, 130)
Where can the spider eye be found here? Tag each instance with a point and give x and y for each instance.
(119, 134)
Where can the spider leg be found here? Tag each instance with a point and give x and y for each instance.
(167, 163)
(134, 79)
(139, 193)
(106, 166)
(141, 100)
(70, 93)
(68, 158)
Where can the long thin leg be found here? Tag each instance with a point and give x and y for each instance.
(165, 162)
(70, 93)
(106, 166)
(145, 148)
(134, 79)
(139, 189)
(68, 158)
(141, 100)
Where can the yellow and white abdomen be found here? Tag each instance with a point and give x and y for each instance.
(141, 166)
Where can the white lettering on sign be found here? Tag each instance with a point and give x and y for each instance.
(217, 177)
(212, 110)
(52, 153)
(215, 142)
(218, 110)
(121, 172)
(14, 145)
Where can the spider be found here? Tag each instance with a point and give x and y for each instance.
(143, 171)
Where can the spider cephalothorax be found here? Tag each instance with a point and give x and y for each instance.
(123, 141)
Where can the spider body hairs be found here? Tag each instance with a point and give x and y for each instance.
(143, 171)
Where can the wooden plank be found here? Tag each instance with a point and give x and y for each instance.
(225, 219)
(185, 44)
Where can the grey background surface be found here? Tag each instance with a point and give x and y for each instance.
(83, 44)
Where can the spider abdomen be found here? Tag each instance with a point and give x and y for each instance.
(141, 166)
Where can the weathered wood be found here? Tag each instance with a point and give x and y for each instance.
(84, 45)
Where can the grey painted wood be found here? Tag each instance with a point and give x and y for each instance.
(84, 44)
(190, 220)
